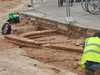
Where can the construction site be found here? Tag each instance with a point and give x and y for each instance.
(40, 45)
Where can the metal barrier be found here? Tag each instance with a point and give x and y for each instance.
(70, 14)
(91, 6)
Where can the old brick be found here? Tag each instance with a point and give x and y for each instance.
(38, 33)
(22, 41)
(71, 48)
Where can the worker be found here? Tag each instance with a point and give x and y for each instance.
(14, 18)
(91, 55)
(6, 28)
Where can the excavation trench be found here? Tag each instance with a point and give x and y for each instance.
(50, 42)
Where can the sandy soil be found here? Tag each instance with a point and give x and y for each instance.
(7, 7)
(11, 6)
(63, 59)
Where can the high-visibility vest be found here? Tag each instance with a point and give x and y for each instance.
(91, 51)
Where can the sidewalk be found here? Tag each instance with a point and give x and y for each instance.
(49, 9)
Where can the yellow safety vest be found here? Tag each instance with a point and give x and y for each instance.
(91, 51)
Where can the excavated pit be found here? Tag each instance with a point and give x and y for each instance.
(50, 42)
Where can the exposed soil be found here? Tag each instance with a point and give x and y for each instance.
(4, 45)
(63, 59)
(11, 6)
(60, 58)
(7, 7)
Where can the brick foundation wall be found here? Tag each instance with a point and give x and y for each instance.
(65, 29)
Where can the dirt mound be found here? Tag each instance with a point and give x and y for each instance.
(15, 62)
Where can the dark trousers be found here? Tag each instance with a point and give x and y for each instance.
(71, 2)
(89, 72)
(78, 0)
(60, 3)
(16, 20)
(92, 68)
